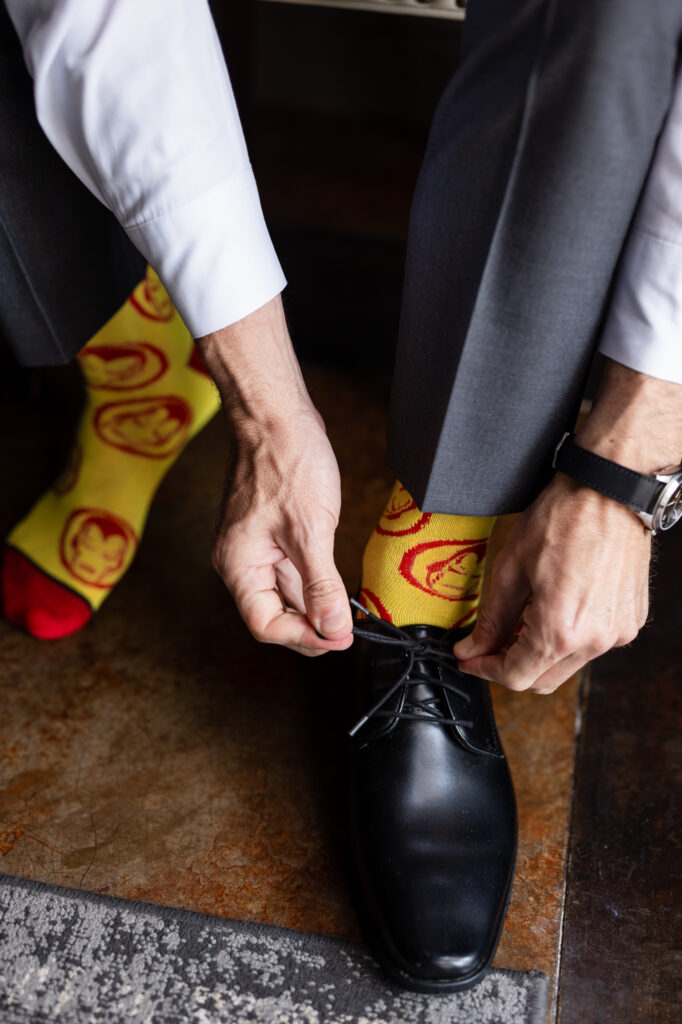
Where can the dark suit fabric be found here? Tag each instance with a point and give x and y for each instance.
(65, 263)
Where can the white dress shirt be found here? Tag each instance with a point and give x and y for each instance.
(135, 97)
(643, 328)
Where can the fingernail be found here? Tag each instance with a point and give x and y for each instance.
(333, 623)
(464, 647)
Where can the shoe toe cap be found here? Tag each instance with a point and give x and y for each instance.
(450, 962)
(443, 942)
(450, 966)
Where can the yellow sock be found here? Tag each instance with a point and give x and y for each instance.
(147, 395)
(424, 568)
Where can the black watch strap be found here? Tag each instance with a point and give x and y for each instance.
(637, 491)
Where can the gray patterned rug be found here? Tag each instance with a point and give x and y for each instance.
(76, 958)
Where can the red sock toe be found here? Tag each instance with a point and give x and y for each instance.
(36, 602)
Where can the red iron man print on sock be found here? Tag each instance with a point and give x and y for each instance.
(401, 516)
(154, 427)
(122, 367)
(96, 546)
(151, 300)
(369, 600)
(451, 569)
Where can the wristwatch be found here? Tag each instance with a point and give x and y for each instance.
(657, 500)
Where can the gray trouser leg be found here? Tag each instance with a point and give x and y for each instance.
(538, 154)
(65, 263)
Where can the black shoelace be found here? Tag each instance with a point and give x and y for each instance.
(436, 651)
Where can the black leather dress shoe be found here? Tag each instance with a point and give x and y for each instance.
(433, 814)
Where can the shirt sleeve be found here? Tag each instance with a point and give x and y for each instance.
(643, 327)
(136, 98)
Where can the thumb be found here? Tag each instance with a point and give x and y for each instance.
(324, 595)
(498, 617)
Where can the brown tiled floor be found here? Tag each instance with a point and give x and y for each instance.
(163, 755)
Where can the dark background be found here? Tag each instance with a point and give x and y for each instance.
(336, 106)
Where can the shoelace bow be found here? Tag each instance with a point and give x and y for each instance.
(437, 651)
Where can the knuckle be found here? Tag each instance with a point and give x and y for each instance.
(565, 640)
(223, 565)
(221, 552)
(517, 682)
(597, 643)
(627, 636)
(254, 623)
(322, 589)
(485, 623)
(309, 532)
(256, 631)
(503, 571)
(608, 640)
(595, 646)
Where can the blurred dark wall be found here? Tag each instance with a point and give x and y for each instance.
(386, 68)
(337, 106)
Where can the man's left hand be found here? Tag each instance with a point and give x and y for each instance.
(571, 582)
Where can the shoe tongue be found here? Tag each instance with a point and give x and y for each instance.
(426, 666)
(430, 695)
(425, 632)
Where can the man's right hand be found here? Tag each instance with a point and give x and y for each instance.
(275, 544)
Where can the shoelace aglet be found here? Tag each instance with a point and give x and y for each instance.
(360, 607)
(368, 715)
(358, 725)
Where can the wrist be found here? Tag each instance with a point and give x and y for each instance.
(597, 513)
(254, 367)
(636, 420)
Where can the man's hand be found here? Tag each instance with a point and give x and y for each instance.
(575, 574)
(275, 544)
(572, 580)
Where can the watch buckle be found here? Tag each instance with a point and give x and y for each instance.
(567, 433)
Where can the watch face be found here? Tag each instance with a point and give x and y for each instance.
(672, 510)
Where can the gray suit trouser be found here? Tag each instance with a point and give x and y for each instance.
(65, 263)
(537, 157)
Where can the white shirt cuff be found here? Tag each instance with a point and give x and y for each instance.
(214, 254)
(644, 326)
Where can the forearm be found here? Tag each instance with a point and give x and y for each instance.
(636, 420)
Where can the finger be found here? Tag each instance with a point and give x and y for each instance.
(290, 585)
(558, 674)
(260, 605)
(495, 668)
(270, 623)
(541, 658)
(324, 595)
(498, 617)
(487, 666)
